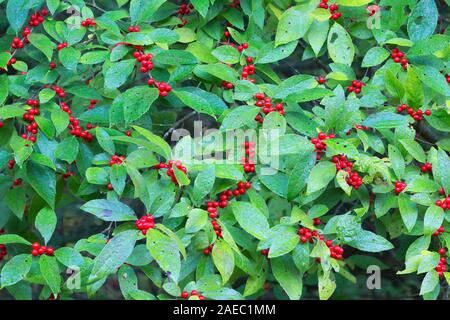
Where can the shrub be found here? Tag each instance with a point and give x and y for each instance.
(98, 183)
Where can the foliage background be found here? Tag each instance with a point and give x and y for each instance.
(266, 26)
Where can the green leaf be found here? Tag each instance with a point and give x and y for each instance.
(175, 58)
(67, 150)
(3, 88)
(393, 85)
(43, 181)
(197, 219)
(223, 258)
(283, 240)
(93, 57)
(288, 276)
(297, 179)
(374, 57)
(370, 242)
(434, 216)
(293, 24)
(421, 184)
(397, 161)
(165, 251)
(15, 269)
(204, 183)
(109, 210)
(69, 57)
(250, 219)
(69, 257)
(353, 3)
(43, 44)
(13, 238)
(430, 281)
(413, 89)
(239, 117)
(408, 211)
(201, 6)
(113, 254)
(227, 54)
(218, 70)
(97, 175)
(118, 73)
(201, 101)
(118, 176)
(414, 149)
(326, 286)
(340, 45)
(159, 144)
(422, 20)
(142, 10)
(385, 120)
(320, 176)
(50, 271)
(17, 13)
(441, 170)
(46, 223)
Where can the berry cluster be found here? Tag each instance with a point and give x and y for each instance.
(89, 23)
(61, 46)
(16, 183)
(427, 167)
(68, 174)
(248, 160)
(17, 43)
(163, 87)
(441, 268)
(399, 57)
(185, 295)
(336, 252)
(37, 18)
(227, 85)
(356, 86)
(74, 126)
(58, 90)
(116, 160)
(342, 163)
(208, 250)
(3, 251)
(354, 180)
(134, 29)
(145, 60)
(321, 80)
(416, 115)
(267, 106)
(249, 69)
(235, 4)
(144, 223)
(183, 10)
(225, 196)
(335, 14)
(439, 231)
(399, 187)
(447, 77)
(307, 234)
(32, 127)
(265, 252)
(38, 250)
(444, 203)
(92, 104)
(170, 171)
(217, 228)
(319, 143)
(11, 164)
